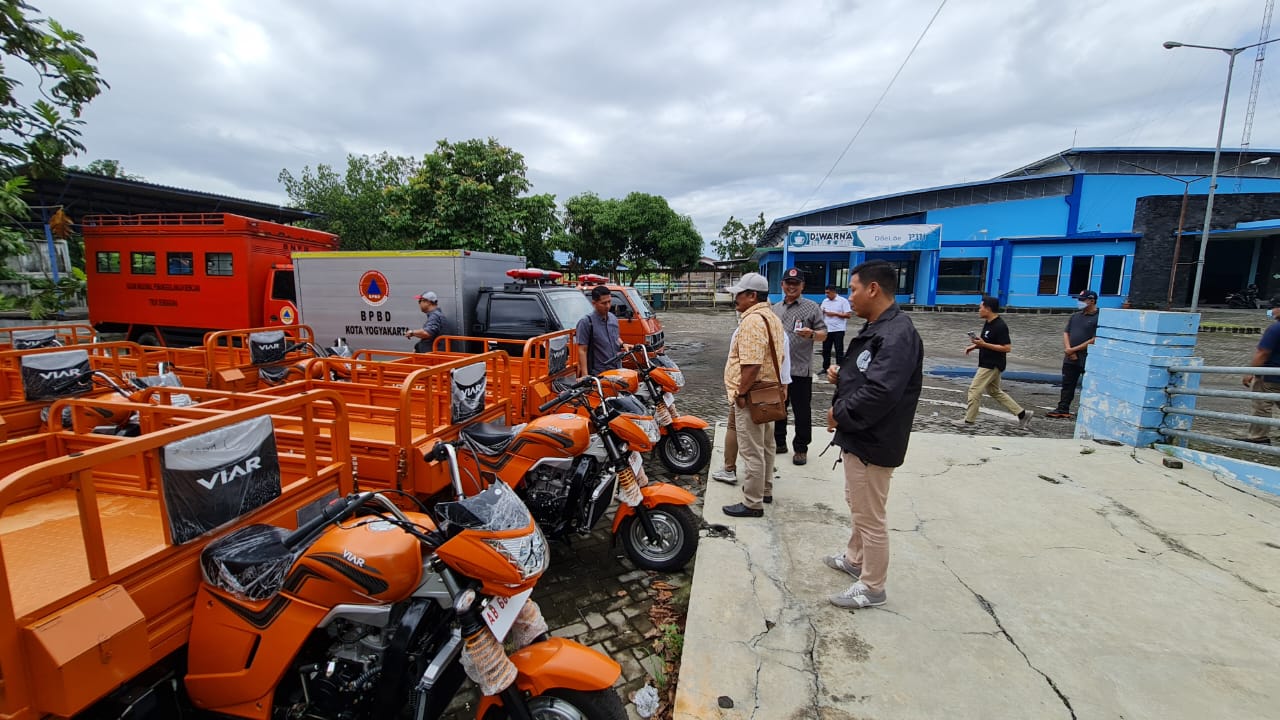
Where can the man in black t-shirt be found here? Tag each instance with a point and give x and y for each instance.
(993, 346)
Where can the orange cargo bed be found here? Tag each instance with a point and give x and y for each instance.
(41, 537)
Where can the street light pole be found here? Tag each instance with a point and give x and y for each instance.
(1217, 154)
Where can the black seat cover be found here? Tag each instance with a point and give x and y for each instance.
(490, 438)
(251, 562)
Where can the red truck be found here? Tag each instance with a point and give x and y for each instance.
(168, 279)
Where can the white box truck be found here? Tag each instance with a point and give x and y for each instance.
(369, 298)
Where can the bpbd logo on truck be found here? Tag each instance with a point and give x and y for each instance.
(374, 288)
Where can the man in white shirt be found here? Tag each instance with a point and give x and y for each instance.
(835, 313)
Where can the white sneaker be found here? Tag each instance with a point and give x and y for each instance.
(726, 476)
(1024, 422)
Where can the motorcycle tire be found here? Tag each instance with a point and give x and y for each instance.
(1235, 301)
(679, 530)
(686, 451)
(565, 704)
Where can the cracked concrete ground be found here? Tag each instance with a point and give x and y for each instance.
(1029, 579)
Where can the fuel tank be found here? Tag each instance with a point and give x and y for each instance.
(365, 560)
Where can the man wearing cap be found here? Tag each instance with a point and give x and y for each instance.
(1076, 339)
(756, 354)
(433, 327)
(599, 336)
(802, 321)
(1266, 355)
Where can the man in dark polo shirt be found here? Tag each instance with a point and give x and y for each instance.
(1266, 355)
(1076, 339)
(599, 337)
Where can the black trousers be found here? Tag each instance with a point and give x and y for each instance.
(1071, 373)
(800, 398)
(834, 339)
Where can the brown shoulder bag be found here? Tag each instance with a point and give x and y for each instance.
(767, 400)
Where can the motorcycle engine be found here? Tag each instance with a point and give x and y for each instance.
(338, 687)
(547, 489)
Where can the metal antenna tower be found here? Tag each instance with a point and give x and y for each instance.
(1257, 82)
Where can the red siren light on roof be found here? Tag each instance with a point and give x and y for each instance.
(590, 279)
(534, 274)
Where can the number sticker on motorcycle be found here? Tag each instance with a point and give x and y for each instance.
(500, 614)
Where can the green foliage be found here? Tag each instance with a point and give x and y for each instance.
(471, 195)
(738, 240)
(353, 205)
(35, 136)
(106, 168)
(49, 298)
(640, 231)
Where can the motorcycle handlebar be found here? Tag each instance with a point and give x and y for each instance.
(330, 513)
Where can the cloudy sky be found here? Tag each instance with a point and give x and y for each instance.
(723, 107)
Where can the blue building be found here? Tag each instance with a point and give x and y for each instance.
(1099, 218)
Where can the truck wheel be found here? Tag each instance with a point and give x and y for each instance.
(148, 338)
(677, 538)
(686, 451)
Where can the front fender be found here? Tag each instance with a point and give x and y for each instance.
(557, 663)
(689, 422)
(653, 495)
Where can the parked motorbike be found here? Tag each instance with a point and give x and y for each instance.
(567, 467)
(369, 611)
(112, 413)
(685, 447)
(1247, 298)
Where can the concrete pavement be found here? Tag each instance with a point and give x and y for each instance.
(1030, 578)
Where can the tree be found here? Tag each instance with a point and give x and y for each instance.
(471, 195)
(36, 136)
(106, 168)
(738, 240)
(640, 231)
(353, 206)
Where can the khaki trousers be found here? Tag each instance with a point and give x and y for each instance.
(988, 380)
(1263, 408)
(866, 490)
(755, 458)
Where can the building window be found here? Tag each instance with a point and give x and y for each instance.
(1081, 270)
(179, 263)
(773, 273)
(142, 263)
(1050, 267)
(961, 277)
(1112, 275)
(838, 273)
(108, 261)
(217, 264)
(815, 274)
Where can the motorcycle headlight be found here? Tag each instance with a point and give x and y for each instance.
(678, 376)
(650, 428)
(527, 553)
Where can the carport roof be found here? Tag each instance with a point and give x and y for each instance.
(81, 194)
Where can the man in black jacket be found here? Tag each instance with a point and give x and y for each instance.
(876, 394)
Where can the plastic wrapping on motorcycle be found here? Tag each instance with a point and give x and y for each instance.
(50, 376)
(267, 347)
(215, 477)
(495, 509)
(168, 379)
(32, 339)
(467, 387)
(529, 625)
(557, 354)
(250, 563)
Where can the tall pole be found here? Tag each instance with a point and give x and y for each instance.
(1213, 183)
(1177, 245)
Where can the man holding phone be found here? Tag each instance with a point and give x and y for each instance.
(993, 345)
(802, 321)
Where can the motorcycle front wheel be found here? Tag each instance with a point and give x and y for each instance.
(686, 451)
(677, 538)
(565, 704)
